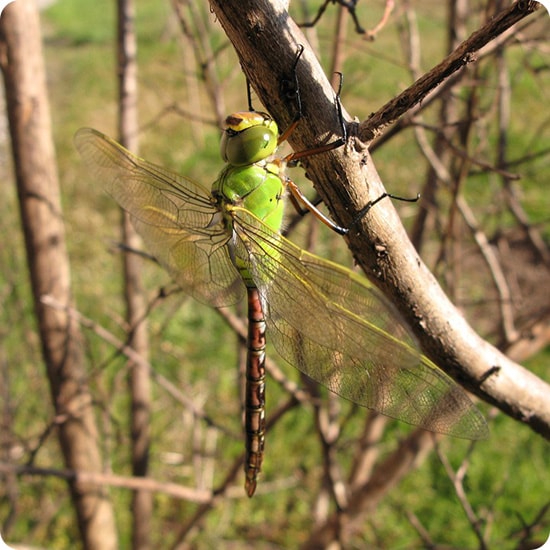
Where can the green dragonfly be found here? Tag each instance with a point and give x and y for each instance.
(327, 321)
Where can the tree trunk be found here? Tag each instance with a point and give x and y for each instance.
(38, 188)
(136, 305)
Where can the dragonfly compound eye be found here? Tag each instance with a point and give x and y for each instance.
(248, 137)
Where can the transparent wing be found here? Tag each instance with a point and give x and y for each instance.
(177, 218)
(340, 330)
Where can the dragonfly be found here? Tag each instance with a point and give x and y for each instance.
(223, 243)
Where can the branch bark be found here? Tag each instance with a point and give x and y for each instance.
(21, 61)
(134, 293)
(266, 40)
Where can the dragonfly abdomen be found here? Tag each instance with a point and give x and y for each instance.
(255, 391)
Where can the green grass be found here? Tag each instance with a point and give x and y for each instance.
(193, 347)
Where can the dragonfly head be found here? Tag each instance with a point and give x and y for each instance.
(248, 137)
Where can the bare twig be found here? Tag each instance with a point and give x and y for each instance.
(420, 529)
(35, 167)
(461, 56)
(408, 118)
(388, 8)
(131, 354)
(367, 450)
(495, 269)
(112, 480)
(196, 35)
(222, 489)
(364, 498)
(457, 479)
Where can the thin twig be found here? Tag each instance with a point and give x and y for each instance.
(223, 487)
(371, 34)
(457, 479)
(367, 450)
(113, 480)
(131, 354)
(459, 58)
(497, 274)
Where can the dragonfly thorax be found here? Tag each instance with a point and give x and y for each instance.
(248, 137)
(257, 187)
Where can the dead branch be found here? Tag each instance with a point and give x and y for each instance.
(347, 180)
(459, 58)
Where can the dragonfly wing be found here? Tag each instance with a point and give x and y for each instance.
(176, 217)
(340, 330)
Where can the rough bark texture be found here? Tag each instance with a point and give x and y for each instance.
(347, 180)
(35, 167)
(136, 303)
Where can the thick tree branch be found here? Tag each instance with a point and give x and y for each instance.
(266, 40)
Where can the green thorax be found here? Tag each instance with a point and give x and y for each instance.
(257, 187)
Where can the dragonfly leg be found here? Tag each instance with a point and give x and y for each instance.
(293, 158)
(309, 24)
(290, 88)
(297, 198)
(370, 204)
(349, 5)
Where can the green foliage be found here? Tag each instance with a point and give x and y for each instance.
(76, 23)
